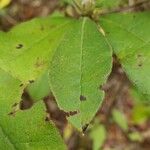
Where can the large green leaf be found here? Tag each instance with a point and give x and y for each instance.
(26, 130)
(80, 65)
(129, 35)
(26, 50)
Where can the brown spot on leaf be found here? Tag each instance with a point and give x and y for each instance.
(11, 113)
(71, 113)
(140, 64)
(14, 105)
(19, 46)
(139, 55)
(14, 109)
(82, 98)
(21, 85)
(31, 81)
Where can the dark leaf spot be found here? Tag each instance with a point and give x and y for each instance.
(82, 98)
(31, 81)
(21, 85)
(14, 105)
(84, 128)
(14, 109)
(19, 46)
(71, 113)
(139, 55)
(11, 113)
(140, 64)
(46, 119)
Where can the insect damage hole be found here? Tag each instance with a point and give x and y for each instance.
(84, 128)
(26, 102)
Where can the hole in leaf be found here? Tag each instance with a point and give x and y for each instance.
(26, 101)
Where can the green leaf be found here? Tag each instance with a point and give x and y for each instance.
(140, 113)
(27, 48)
(120, 119)
(82, 62)
(135, 136)
(98, 135)
(129, 35)
(141, 109)
(139, 97)
(25, 130)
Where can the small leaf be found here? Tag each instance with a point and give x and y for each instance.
(120, 119)
(98, 135)
(135, 136)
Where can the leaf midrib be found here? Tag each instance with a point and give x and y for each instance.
(81, 55)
